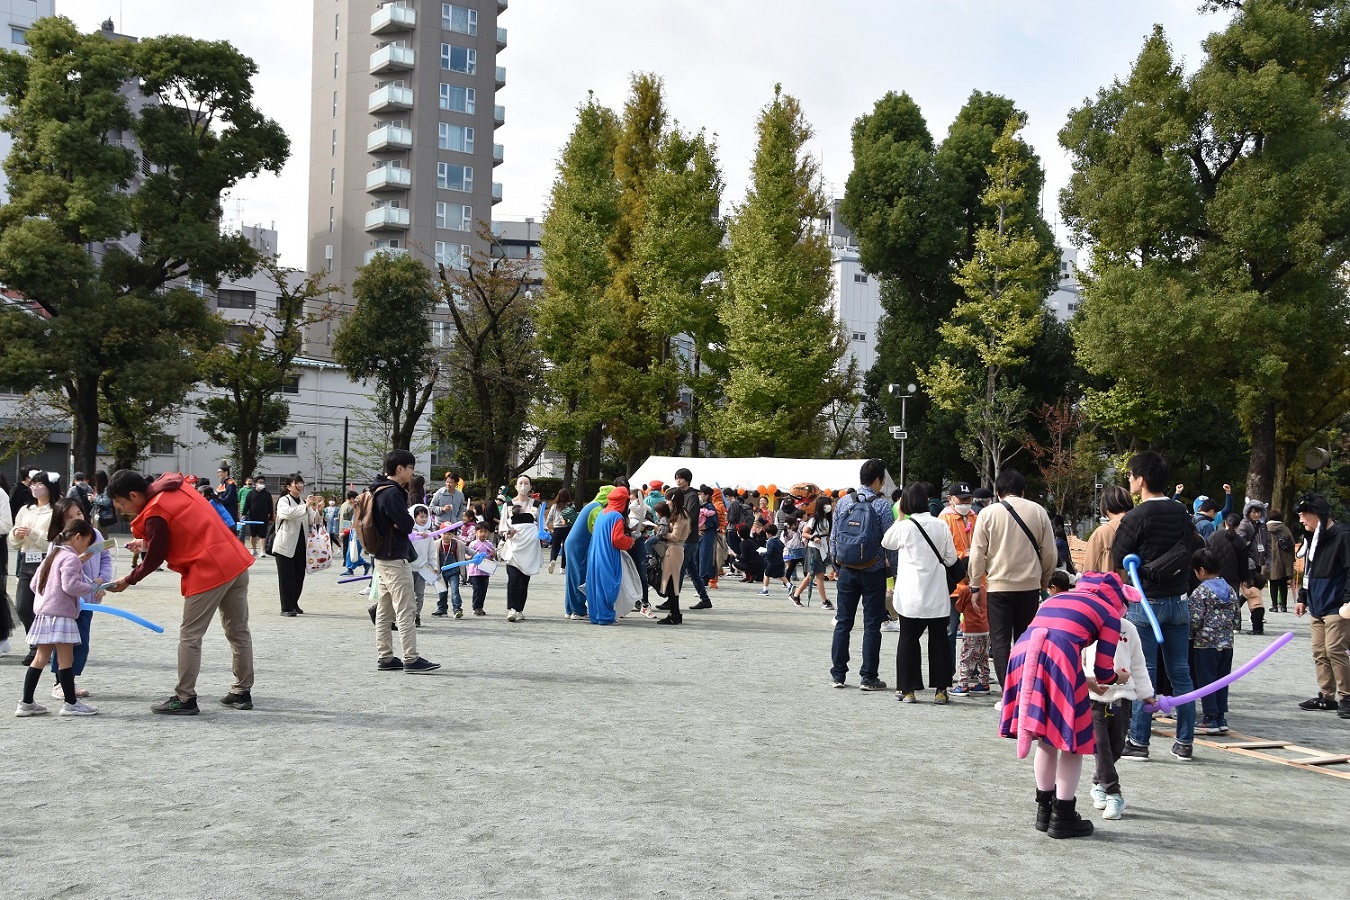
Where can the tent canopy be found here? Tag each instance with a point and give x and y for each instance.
(752, 471)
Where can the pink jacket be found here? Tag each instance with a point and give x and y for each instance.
(66, 584)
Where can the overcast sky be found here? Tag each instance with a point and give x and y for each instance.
(720, 60)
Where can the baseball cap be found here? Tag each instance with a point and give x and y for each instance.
(959, 489)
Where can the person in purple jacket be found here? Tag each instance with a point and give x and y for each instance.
(98, 569)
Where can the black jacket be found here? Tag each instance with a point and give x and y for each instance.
(1231, 553)
(1152, 529)
(392, 519)
(258, 505)
(1329, 573)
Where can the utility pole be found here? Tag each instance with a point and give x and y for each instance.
(899, 432)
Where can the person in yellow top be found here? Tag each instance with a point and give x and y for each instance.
(1116, 502)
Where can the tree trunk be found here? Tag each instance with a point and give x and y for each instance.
(569, 465)
(1261, 471)
(84, 424)
(1282, 497)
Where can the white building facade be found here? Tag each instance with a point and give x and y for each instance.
(19, 16)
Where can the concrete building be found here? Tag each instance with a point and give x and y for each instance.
(18, 16)
(855, 296)
(1066, 297)
(403, 110)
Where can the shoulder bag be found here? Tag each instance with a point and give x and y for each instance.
(956, 572)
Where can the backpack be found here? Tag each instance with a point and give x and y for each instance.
(857, 541)
(363, 519)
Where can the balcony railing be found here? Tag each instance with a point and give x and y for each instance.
(501, 76)
(389, 178)
(383, 218)
(391, 58)
(501, 6)
(501, 38)
(390, 98)
(389, 137)
(392, 18)
(499, 115)
(496, 192)
(390, 251)
(498, 154)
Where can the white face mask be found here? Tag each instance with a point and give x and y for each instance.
(963, 508)
(39, 490)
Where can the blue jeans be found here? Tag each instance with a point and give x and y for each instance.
(1210, 666)
(82, 648)
(638, 552)
(1174, 615)
(451, 578)
(691, 569)
(869, 589)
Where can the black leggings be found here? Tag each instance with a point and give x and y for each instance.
(1279, 593)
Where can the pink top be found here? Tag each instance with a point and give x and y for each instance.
(66, 584)
(476, 547)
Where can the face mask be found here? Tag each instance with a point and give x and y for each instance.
(963, 508)
(39, 490)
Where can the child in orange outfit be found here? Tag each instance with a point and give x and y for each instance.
(972, 675)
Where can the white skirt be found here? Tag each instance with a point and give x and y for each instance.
(53, 630)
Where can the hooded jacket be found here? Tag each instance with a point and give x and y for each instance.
(1327, 576)
(200, 548)
(1281, 561)
(391, 518)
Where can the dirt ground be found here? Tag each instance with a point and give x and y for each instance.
(552, 758)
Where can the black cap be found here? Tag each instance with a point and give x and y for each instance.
(983, 493)
(959, 489)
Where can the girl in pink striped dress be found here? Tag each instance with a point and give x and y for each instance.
(1046, 696)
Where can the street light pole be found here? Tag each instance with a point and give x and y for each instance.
(901, 434)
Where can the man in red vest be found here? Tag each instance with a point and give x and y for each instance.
(176, 525)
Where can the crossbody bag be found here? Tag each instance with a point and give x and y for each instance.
(956, 572)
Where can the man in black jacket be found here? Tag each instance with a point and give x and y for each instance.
(1160, 531)
(683, 477)
(393, 571)
(1326, 586)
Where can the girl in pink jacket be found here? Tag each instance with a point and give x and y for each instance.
(57, 587)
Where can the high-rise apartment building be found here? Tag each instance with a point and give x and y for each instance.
(403, 112)
(18, 16)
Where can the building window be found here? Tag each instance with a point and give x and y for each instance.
(459, 59)
(228, 298)
(291, 385)
(452, 256)
(336, 20)
(197, 286)
(456, 137)
(860, 336)
(860, 278)
(1073, 307)
(457, 99)
(335, 65)
(279, 446)
(162, 447)
(334, 142)
(20, 35)
(332, 181)
(330, 220)
(457, 18)
(335, 104)
(454, 178)
(236, 333)
(441, 334)
(454, 216)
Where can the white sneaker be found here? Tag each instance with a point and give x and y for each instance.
(889, 627)
(520, 617)
(1114, 805)
(30, 709)
(1098, 796)
(553, 564)
(4, 646)
(511, 616)
(59, 694)
(78, 708)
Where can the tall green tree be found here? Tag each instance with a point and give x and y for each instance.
(387, 338)
(575, 325)
(1218, 209)
(249, 375)
(492, 366)
(88, 169)
(997, 320)
(782, 338)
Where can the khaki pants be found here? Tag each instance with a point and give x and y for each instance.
(395, 602)
(1330, 638)
(231, 598)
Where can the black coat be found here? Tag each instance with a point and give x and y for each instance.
(1152, 529)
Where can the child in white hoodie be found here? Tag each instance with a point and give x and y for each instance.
(1111, 707)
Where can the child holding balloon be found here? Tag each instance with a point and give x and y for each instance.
(98, 570)
(57, 588)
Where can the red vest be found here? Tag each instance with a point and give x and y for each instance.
(201, 548)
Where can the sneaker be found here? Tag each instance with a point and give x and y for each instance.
(371, 610)
(940, 697)
(520, 616)
(889, 627)
(459, 614)
(512, 615)
(175, 707)
(553, 564)
(825, 604)
(763, 593)
(1115, 804)
(1134, 751)
(4, 646)
(479, 611)
(421, 666)
(80, 708)
(796, 601)
(702, 604)
(238, 700)
(876, 684)
(438, 614)
(37, 709)
(1223, 725)
(637, 606)
(906, 697)
(958, 691)
(1182, 751)
(1207, 726)
(1343, 709)
(392, 664)
(417, 622)
(836, 684)
(1318, 702)
(1098, 797)
(979, 688)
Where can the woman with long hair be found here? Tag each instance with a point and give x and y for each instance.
(672, 563)
(295, 517)
(816, 537)
(520, 546)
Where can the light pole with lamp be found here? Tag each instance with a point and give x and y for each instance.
(899, 432)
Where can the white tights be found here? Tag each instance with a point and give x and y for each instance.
(1057, 771)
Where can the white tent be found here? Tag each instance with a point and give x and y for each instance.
(752, 471)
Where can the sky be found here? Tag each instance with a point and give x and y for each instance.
(720, 60)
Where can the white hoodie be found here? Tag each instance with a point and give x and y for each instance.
(1130, 656)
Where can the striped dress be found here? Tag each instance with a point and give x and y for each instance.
(1046, 694)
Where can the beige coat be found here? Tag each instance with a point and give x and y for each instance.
(673, 560)
(1097, 555)
(1001, 554)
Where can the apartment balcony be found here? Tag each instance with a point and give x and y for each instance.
(390, 98)
(389, 178)
(389, 137)
(498, 154)
(388, 218)
(501, 38)
(501, 76)
(501, 6)
(387, 251)
(392, 19)
(498, 116)
(496, 192)
(391, 58)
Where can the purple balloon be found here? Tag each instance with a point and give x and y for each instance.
(1167, 704)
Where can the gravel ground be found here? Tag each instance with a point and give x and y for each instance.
(552, 758)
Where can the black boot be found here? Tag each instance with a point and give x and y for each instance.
(1065, 822)
(1043, 801)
